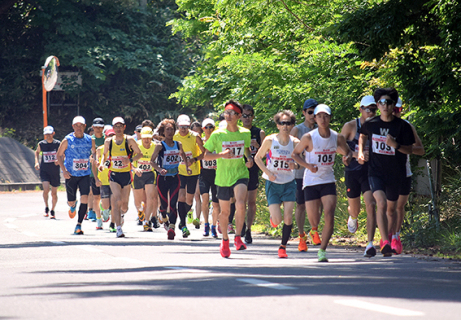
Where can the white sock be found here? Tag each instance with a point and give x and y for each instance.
(394, 237)
(119, 228)
(370, 244)
(397, 234)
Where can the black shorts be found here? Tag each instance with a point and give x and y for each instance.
(190, 182)
(318, 191)
(389, 186)
(299, 191)
(226, 193)
(146, 178)
(122, 178)
(253, 182)
(356, 183)
(94, 188)
(105, 192)
(52, 176)
(80, 183)
(405, 187)
(206, 182)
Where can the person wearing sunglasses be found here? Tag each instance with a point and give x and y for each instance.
(356, 175)
(396, 221)
(300, 213)
(320, 147)
(231, 146)
(279, 174)
(389, 140)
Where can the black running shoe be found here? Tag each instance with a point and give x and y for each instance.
(248, 238)
(154, 222)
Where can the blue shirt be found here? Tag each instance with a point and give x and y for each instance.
(77, 154)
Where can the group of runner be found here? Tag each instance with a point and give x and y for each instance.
(168, 165)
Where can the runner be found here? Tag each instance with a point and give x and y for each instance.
(193, 148)
(165, 160)
(119, 150)
(279, 174)
(299, 131)
(196, 127)
(77, 147)
(90, 215)
(257, 136)
(389, 139)
(99, 137)
(231, 145)
(356, 176)
(49, 168)
(145, 180)
(207, 182)
(395, 225)
(321, 146)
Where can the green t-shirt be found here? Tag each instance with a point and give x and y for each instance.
(98, 142)
(230, 170)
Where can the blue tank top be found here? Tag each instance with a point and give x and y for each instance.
(77, 154)
(169, 158)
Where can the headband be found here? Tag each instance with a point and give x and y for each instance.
(231, 106)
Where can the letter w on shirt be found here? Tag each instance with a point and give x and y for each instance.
(383, 131)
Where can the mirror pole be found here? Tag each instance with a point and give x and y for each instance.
(45, 112)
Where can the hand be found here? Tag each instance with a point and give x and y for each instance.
(227, 154)
(366, 155)
(101, 168)
(347, 159)
(97, 182)
(37, 166)
(249, 162)
(272, 177)
(163, 172)
(56, 162)
(66, 174)
(255, 144)
(190, 161)
(390, 141)
(125, 160)
(189, 171)
(292, 165)
(313, 168)
(138, 172)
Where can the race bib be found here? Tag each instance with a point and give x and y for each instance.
(171, 157)
(237, 148)
(380, 146)
(281, 163)
(209, 164)
(325, 157)
(117, 162)
(188, 156)
(144, 165)
(49, 156)
(252, 148)
(80, 164)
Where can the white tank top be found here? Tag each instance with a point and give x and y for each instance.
(277, 160)
(323, 156)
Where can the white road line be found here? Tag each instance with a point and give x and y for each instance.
(88, 248)
(265, 284)
(58, 242)
(379, 308)
(11, 226)
(130, 260)
(30, 234)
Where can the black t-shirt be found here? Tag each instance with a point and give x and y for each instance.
(384, 161)
(255, 135)
(49, 151)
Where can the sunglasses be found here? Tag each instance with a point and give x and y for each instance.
(246, 115)
(369, 110)
(183, 127)
(397, 109)
(310, 112)
(209, 127)
(387, 102)
(285, 123)
(230, 112)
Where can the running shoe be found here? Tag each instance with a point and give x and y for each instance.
(92, 215)
(283, 252)
(185, 232)
(248, 238)
(166, 225)
(206, 231)
(386, 249)
(315, 237)
(112, 227)
(352, 225)
(105, 215)
(381, 241)
(238, 244)
(120, 233)
(302, 246)
(78, 229)
(219, 228)
(171, 232)
(189, 217)
(180, 226)
(141, 216)
(214, 233)
(164, 219)
(224, 249)
(147, 227)
(196, 223)
(46, 212)
(73, 211)
(154, 222)
(396, 246)
(322, 255)
(273, 225)
(52, 216)
(399, 248)
(230, 229)
(99, 224)
(370, 251)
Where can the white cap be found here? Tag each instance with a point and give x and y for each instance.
(322, 108)
(146, 132)
(183, 120)
(48, 130)
(223, 124)
(118, 120)
(367, 100)
(207, 121)
(78, 119)
(107, 127)
(399, 103)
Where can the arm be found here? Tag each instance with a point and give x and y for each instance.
(267, 143)
(390, 141)
(304, 144)
(94, 167)
(362, 156)
(418, 147)
(154, 164)
(37, 162)
(183, 155)
(348, 131)
(294, 132)
(202, 150)
(134, 146)
(60, 155)
(343, 148)
(250, 161)
(104, 156)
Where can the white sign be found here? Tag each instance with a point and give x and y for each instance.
(72, 79)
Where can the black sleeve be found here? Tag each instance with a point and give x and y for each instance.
(408, 138)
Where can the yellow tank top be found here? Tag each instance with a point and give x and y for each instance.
(104, 174)
(144, 162)
(190, 147)
(118, 153)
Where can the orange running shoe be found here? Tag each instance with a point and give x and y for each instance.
(315, 237)
(302, 242)
(73, 211)
(283, 252)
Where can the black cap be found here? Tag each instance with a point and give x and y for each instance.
(98, 122)
(310, 103)
(139, 128)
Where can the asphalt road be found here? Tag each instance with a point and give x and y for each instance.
(46, 272)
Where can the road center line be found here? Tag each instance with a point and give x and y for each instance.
(379, 308)
(186, 269)
(265, 284)
(58, 242)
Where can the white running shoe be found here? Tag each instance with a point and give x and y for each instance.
(352, 225)
(120, 233)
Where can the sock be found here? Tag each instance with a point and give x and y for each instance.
(232, 212)
(98, 218)
(394, 237)
(119, 228)
(397, 234)
(82, 211)
(315, 229)
(182, 213)
(370, 244)
(286, 232)
(111, 225)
